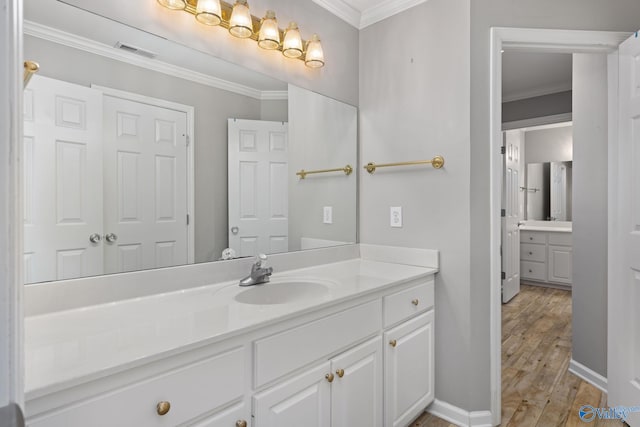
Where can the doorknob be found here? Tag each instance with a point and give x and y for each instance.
(95, 238)
(110, 238)
(235, 230)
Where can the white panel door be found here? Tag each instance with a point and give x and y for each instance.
(145, 172)
(356, 395)
(408, 370)
(511, 215)
(304, 400)
(258, 187)
(558, 191)
(62, 180)
(623, 370)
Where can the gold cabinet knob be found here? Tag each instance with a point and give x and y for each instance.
(340, 372)
(415, 302)
(329, 377)
(163, 407)
(393, 343)
(241, 423)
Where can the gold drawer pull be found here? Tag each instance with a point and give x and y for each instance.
(415, 302)
(329, 377)
(393, 343)
(241, 423)
(340, 372)
(163, 407)
(530, 253)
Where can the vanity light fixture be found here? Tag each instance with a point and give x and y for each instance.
(292, 43)
(238, 20)
(269, 35)
(173, 4)
(240, 23)
(209, 12)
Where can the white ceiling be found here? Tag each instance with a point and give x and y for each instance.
(362, 13)
(530, 74)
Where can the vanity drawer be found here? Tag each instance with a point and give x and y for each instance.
(529, 252)
(562, 239)
(191, 391)
(408, 302)
(533, 270)
(533, 237)
(287, 351)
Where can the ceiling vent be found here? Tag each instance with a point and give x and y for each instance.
(136, 50)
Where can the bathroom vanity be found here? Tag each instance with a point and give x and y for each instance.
(344, 343)
(546, 253)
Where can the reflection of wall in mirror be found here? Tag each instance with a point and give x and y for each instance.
(322, 135)
(212, 109)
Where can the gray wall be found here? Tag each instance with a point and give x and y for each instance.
(212, 109)
(538, 106)
(337, 79)
(549, 145)
(621, 15)
(313, 144)
(414, 104)
(590, 211)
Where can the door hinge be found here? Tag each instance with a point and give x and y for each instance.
(503, 275)
(503, 212)
(187, 219)
(503, 150)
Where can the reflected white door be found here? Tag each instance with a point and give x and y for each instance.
(145, 172)
(511, 214)
(258, 187)
(558, 191)
(623, 370)
(62, 180)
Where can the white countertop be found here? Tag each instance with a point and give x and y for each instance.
(545, 228)
(70, 347)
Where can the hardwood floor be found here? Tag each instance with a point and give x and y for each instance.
(537, 388)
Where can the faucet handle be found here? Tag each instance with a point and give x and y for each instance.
(261, 259)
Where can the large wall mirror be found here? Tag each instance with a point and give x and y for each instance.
(143, 153)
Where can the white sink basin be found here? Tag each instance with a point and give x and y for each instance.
(283, 291)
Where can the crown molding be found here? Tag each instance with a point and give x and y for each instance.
(342, 10)
(91, 46)
(274, 95)
(532, 93)
(386, 9)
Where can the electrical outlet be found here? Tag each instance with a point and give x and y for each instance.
(395, 216)
(327, 215)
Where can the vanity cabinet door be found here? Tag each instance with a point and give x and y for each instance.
(356, 391)
(408, 370)
(303, 400)
(561, 264)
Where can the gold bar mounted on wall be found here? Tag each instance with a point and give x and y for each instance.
(30, 68)
(437, 162)
(347, 171)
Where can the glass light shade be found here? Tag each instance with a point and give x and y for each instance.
(240, 23)
(314, 57)
(208, 12)
(269, 36)
(173, 4)
(292, 44)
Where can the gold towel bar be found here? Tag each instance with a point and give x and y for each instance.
(30, 69)
(437, 162)
(347, 171)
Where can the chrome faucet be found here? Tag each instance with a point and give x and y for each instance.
(259, 273)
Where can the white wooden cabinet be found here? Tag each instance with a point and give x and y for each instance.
(546, 257)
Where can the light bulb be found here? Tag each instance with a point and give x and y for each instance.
(240, 23)
(208, 12)
(269, 36)
(173, 4)
(292, 44)
(314, 57)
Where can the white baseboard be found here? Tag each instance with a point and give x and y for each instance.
(460, 417)
(590, 376)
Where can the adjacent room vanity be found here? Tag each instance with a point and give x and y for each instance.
(347, 342)
(546, 253)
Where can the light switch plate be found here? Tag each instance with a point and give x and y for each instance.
(327, 215)
(395, 216)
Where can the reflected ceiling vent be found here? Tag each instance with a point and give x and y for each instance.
(136, 50)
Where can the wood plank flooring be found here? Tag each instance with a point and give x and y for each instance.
(537, 388)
